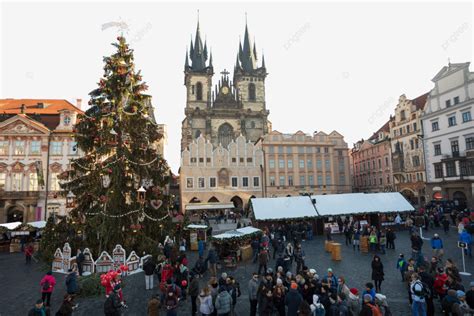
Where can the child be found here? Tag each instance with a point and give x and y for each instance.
(402, 265)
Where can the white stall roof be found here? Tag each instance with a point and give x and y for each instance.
(38, 224)
(240, 232)
(283, 208)
(196, 226)
(11, 226)
(209, 206)
(355, 203)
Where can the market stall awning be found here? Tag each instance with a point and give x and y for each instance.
(11, 226)
(291, 207)
(356, 203)
(195, 226)
(38, 224)
(240, 232)
(208, 206)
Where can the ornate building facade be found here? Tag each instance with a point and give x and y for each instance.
(300, 163)
(372, 163)
(408, 162)
(232, 107)
(36, 145)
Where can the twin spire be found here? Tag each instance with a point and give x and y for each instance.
(198, 54)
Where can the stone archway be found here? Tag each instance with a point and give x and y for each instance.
(238, 203)
(213, 200)
(15, 213)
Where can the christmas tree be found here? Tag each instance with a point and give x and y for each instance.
(119, 184)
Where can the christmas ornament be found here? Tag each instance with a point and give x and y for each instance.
(105, 180)
(156, 204)
(128, 198)
(103, 198)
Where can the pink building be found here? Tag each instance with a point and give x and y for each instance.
(372, 163)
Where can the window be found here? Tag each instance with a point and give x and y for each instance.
(282, 181)
(469, 142)
(309, 150)
(199, 91)
(4, 147)
(252, 96)
(448, 103)
(234, 182)
(271, 163)
(189, 183)
(281, 164)
(225, 134)
(193, 160)
(67, 120)
(249, 159)
(402, 115)
(342, 179)
(400, 131)
(309, 164)
(55, 182)
(467, 168)
(19, 148)
(272, 181)
(245, 182)
(386, 161)
(388, 179)
(241, 159)
(208, 160)
(412, 144)
(300, 150)
(414, 127)
(35, 147)
(380, 163)
(328, 165)
(301, 164)
(319, 164)
(416, 161)
(280, 149)
(450, 169)
(437, 149)
(271, 149)
(434, 126)
(416, 143)
(290, 164)
(456, 100)
(72, 148)
(201, 183)
(326, 150)
(17, 179)
(452, 120)
(318, 150)
(466, 117)
(408, 128)
(455, 148)
(56, 148)
(3, 180)
(289, 149)
(201, 159)
(328, 180)
(256, 182)
(212, 182)
(33, 182)
(302, 180)
(290, 181)
(311, 180)
(234, 160)
(339, 153)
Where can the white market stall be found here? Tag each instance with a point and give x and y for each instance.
(283, 208)
(196, 232)
(235, 244)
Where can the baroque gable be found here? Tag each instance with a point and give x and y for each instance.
(20, 125)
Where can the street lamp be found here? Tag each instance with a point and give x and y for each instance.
(141, 195)
(70, 200)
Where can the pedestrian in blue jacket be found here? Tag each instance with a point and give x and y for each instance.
(402, 265)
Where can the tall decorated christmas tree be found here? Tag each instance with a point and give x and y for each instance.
(119, 184)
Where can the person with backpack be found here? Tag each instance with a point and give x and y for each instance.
(223, 302)
(113, 304)
(418, 294)
(39, 309)
(402, 265)
(427, 281)
(369, 308)
(47, 286)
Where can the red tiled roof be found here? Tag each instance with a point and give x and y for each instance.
(420, 101)
(33, 106)
(384, 128)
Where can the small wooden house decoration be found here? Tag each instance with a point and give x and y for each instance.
(119, 256)
(66, 257)
(133, 262)
(88, 265)
(58, 261)
(104, 263)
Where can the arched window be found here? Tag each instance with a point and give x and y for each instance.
(198, 133)
(225, 134)
(252, 96)
(198, 91)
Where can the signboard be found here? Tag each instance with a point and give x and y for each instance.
(462, 245)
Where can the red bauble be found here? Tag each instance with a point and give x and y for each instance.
(103, 198)
(109, 170)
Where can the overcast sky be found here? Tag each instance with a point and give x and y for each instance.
(332, 66)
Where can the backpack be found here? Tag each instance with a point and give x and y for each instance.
(375, 310)
(425, 290)
(46, 285)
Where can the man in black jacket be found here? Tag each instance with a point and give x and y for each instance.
(149, 269)
(112, 304)
(427, 280)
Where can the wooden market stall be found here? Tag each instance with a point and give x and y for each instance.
(196, 232)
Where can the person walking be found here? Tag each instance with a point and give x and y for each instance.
(466, 238)
(80, 261)
(263, 258)
(71, 283)
(252, 292)
(113, 304)
(47, 284)
(29, 250)
(39, 309)
(293, 300)
(445, 223)
(373, 241)
(206, 308)
(289, 253)
(201, 247)
(417, 291)
(382, 242)
(377, 273)
(149, 269)
(437, 246)
(402, 265)
(267, 304)
(356, 239)
(416, 246)
(391, 236)
(154, 305)
(193, 293)
(212, 259)
(299, 258)
(171, 304)
(223, 302)
(67, 307)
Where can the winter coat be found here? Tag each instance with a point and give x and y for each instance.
(43, 311)
(377, 271)
(465, 237)
(149, 267)
(194, 287)
(71, 283)
(112, 305)
(223, 302)
(353, 303)
(402, 264)
(416, 243)
(439, 283)
(470, 298)
(252, 289)
(65, 309)
(154, 305)
(206, 306)
(366, 310)
(52, 283)
(266, 309)
(436, 243)
(212, 256)
(293, 300)
(263, 257)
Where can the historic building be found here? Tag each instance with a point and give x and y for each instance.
(217, 174)
(372, 163)
(36, 145)
(448, 135)
(232, 107)
(300, 163)
(408, 162)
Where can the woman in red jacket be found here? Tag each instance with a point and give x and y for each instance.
(47, 286)
(439, 284)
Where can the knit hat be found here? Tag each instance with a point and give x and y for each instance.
(460, 294)
(312, 271)
(367, 298)
(354, 291)
(329, 270)
(294, 286)
(279, 281)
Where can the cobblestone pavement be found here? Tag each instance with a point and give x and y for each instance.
(20, 283)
